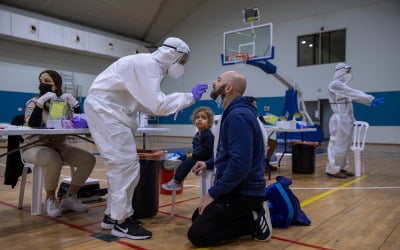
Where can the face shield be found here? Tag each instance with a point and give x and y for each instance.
(183, 59)
(340, 66)
(177, 44)
(342, 72)
(347, 68)
(172, 56)
(173, 51)
(177, 69)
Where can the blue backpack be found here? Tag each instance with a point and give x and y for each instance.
(284, 207)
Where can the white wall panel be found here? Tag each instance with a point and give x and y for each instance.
(5, 22)
(74, 38)
(120, 48)
(100, 44)
(131, 48)
(383, 134)
(50, 33)
(109, 46)
(29, 29)
(24, 27)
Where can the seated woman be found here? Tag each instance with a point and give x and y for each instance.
(52, 150)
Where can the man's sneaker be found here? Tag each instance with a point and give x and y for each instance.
(71, 202)
(337, 175)
(53, 207)
(108, 223)
(263, 223)
(130, 229)
(172, 185)
(347, 173)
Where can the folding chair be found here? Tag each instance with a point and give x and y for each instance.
(359, 134)
(206, 179)
(37, 183)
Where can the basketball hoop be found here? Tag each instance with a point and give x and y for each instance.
(240, 46)
(240, 57)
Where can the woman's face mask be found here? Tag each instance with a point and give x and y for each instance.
(176, 70)
(44, 88)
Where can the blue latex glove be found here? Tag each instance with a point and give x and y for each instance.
(378, 101)
(198, 90)
(79, 122)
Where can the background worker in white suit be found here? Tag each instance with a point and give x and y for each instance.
(128, 86)
(341, 98)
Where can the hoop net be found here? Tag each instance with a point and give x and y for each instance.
(240, 57)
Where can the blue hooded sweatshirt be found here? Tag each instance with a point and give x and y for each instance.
(240, 156)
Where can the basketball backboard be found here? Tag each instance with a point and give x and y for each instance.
(255, 42)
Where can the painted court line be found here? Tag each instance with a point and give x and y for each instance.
(178, 202)
(273, 237)
(313, 199)
(300, 243)
(320, 196)
(175, 215)
(71, 225)
(345, 188)
(100, 169)
(68, 176)
(130, 245)
(191, 186)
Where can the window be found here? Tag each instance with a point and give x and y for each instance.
(320, 48)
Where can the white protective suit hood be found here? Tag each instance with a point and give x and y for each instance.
(341, 72)
(169, 52)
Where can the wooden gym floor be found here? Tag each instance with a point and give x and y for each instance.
(352, 213)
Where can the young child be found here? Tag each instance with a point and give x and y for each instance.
(203, 143)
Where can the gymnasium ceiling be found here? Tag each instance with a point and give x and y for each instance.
(144, 20)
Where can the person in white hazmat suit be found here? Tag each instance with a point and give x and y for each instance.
(128, 86)
(341, 122)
